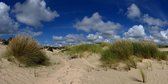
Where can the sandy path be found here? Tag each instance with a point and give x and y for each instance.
(69, 74)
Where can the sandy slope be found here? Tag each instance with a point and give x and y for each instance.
(156, 76)
(11, 73)
(79, 71)
(163, 49)
(69, 74)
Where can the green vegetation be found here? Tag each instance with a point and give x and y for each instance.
(108, 58)
(27, 51)
(81, 48)
(145, 49)
(121, 51)
(132, 62)
(104, 44)
(143, 76)
(162, 55)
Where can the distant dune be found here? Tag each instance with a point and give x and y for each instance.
(65, 70)
(163, 49)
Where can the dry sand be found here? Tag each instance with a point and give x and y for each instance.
(163, 49)
(79, 71)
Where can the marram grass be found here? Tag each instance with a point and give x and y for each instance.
(122, 51)
(27, 51)
(143, 75)
(81, 48)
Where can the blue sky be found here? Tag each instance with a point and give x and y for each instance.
(67, 22)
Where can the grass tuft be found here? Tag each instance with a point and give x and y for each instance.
(124, 49)
(132, 62)
(143, 76)
(27, 51)
(145, 49)
(108, 58)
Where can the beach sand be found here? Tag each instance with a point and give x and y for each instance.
(79, 71)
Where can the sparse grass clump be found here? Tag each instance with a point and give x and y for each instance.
(81, 48)
(162, 55)
(108, 58)
(132, 62)
(143, 75)
(27, 51)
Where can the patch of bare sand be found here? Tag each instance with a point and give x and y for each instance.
(71, 73)
(163, 49)
(156, 73)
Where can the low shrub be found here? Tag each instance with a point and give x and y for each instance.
(27, 51)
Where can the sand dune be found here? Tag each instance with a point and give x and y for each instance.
(163, 49)
(79, 71)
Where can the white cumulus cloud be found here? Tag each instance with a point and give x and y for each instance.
(135, 31)
(154, 21)
(74, 38)
(7, 25)
(92, 37)
(95, 23)
(133, 11)
(33, 12)
(69, 39)
(58, 38)
(95, 38)
(29, 32)
(164, 34)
